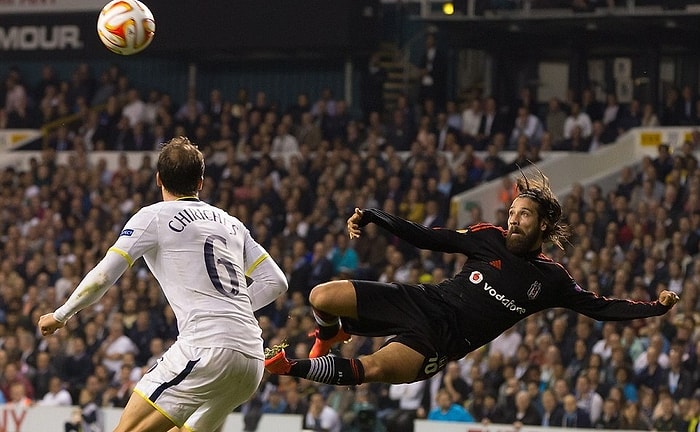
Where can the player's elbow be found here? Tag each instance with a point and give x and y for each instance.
(282, 286)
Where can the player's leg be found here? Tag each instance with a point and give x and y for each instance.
(140, 415)
(185, 429)
(393, 363)
(330, 301)
(335, 298)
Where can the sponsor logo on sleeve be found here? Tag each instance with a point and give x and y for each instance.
(126, 233)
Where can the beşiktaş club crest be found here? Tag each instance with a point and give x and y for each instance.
(534, 290)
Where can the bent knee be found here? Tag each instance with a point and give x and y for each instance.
(328, 294)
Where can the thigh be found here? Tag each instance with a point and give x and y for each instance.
(385, 309)
(141, 415)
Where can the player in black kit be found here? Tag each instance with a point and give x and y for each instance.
(505, 279)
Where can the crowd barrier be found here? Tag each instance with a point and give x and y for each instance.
(52, 419)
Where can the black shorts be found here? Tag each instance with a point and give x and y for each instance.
(413, 315)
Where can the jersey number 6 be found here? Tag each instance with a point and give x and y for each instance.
(228, 288)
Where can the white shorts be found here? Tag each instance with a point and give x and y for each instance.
(199, 387)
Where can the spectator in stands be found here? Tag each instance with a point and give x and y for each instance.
(649, 117)
(578, 118)
(590, 105)
(527, 124)
(320, 416)
(587, 398)
(687, 105)
(631, 117)
(135, 108)
(575, 141)
(665, 417)
(433, 70)
(22, 115)
(447, 410)
(40, 377)
(552, 410)
(57, 395)
(631, 418)
(472, 117)
(573, 416)
(493, 122)
(610, 417)
(555, 118)
(524, 411)
(115, 345)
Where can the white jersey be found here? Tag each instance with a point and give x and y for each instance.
(199, 254)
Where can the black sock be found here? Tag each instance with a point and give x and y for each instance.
(327, 332)
(328, 325)
(329, 370)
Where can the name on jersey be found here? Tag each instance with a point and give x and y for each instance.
(476, 277)
(184, 217)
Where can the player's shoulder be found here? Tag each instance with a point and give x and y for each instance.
(546, 262)
(483, 228)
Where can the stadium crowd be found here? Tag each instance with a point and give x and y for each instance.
(293, 175)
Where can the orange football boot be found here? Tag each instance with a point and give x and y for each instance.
(322, 347)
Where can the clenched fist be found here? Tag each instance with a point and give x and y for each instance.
(668, 298)
(48, 324)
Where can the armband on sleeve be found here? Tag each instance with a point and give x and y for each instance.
(268, 279)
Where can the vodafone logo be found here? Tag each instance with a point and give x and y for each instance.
(476, 277)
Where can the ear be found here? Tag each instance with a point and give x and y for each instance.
(158, 182)
(200, 183)
(543, 225)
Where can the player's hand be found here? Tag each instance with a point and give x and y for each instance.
(668, 298)
(48, 324)
(354, 224)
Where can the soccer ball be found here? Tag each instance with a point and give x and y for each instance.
(126, 27)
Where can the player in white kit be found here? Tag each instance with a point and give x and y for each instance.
(214, 275)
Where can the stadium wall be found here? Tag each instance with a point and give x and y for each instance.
(565, 169)
(52, 419)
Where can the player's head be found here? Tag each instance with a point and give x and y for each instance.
(181, 167)
(535, 194)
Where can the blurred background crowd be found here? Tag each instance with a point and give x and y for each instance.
(293, 174)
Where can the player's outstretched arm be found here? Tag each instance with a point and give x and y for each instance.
(422, 237)
(89, 290)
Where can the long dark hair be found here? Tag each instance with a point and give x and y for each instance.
(548, 207)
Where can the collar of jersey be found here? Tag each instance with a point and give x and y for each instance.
(188, 198)
(533, 254)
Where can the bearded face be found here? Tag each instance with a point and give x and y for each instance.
(521, 242)
(524, 231)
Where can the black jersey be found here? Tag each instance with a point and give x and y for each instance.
(496, 288)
